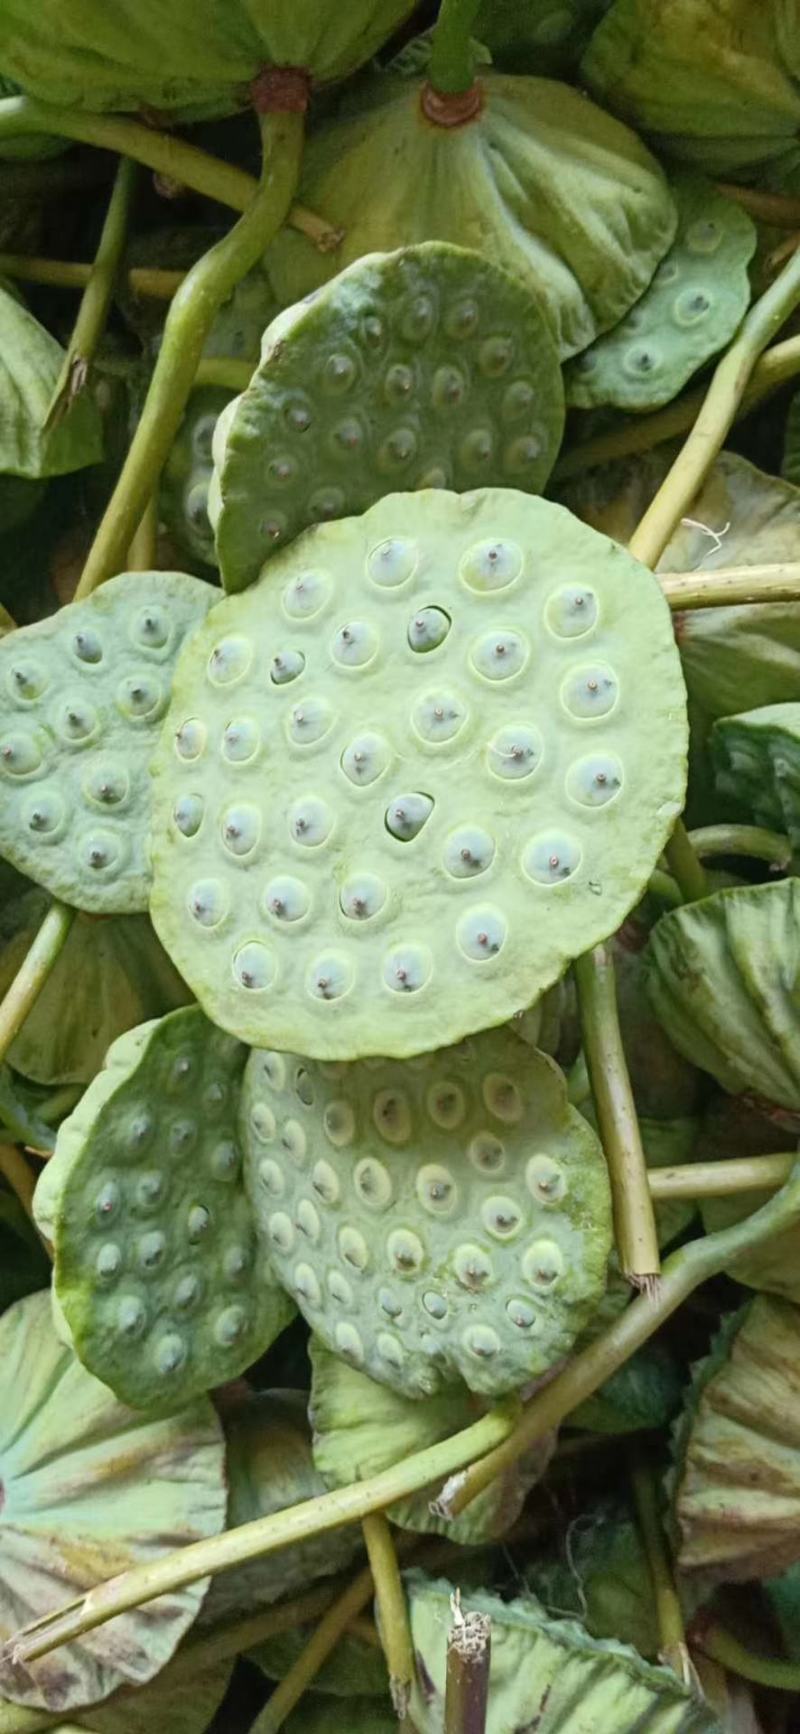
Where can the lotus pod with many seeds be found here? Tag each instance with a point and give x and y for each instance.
(73, 1463)
(736, 1475)
(546, 1676)
(157, 1268)
(425, 368)
(82, 695)
(757, 764)
(412, 772)
(724, 978)
(689, 311)
(536, 178)
(436, 1222)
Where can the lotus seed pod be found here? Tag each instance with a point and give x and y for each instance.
(362, 848)
(71, 1458)
(362, 1427)
(724, 978)
(735, 1483)
(183, 499)
(439, 1222)
(157, 1268)
(82, 695)
(270, 1466)
(537, 179)
(689, 311)
(429, 367)
(109, 976)
(757, 765)
(545, 1667)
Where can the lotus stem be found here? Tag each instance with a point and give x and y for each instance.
(96, 300)
(640, 433)
(773, 208)
(392, 1611)
(715, 1641)
(685, 865)
(323, 1641)
(731, 585)
(230, 375)
(67, 274)
(19, 1175)
(469, 1654)
(748, 840)
(722, 400)
(720, 1179)
(451, 69)
(634, 1221)
(33, 973)
(188, 323)
(663, 885)
(142, 553)
(682, 1273)
(669, 1614)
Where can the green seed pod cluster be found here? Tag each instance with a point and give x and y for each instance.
(425, 368)
(157, 1268)
(412, 772)
(436, 1222)
(82, 696)
(757, 765)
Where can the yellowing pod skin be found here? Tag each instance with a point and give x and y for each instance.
(429, 758)
(439, 1221)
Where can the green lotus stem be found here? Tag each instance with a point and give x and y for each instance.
(640, 433)
(669, 1614)
(748, 840)
(96, 300)
(152, 283)
(682, 1272)
(19, 1175)
(774, 208)
(731, 585)
(144, 541)
(685, 865)
(451, 69)
(230, 375)
(264, 1535)
(469, 1654)
(720, 1179)
(722, 400)
(721, 1645)
(188, 323)
(33, 972)
(634, 1221)
(392, 1611)
(304, 1670)
(663, 885)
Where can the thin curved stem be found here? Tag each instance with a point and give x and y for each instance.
(685, 865)
(773, 208)
(669, 1614)
(142, 280)
(451, 69)
(683, 1271)
(188, 323)
(751, 841)
(33, 972)
(323, 1641)
(391, 1608)
(720, 1179)
(731, 585)
(634, 1221)
(96, 299)
(724, 395)
(219, 370)
(712, 1638)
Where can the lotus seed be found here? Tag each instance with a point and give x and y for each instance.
(325, 1182)
(436, 1189)
(339, 1289)
(308, 1220)
(87, 646)
(306, 1285)
(473, 1267)
(108, 1262)
(406, 816)
(543, 1264)
(392, 1116)
(406, 1253)
(373, 1183)
(487, 1153)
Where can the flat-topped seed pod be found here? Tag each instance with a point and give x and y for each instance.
(689, 312)
(757, 764)
(157, 1268)
(429, 758)
(89, 1490)
(724, 977)
(440, 1221)
(82, 695)
(425, 368)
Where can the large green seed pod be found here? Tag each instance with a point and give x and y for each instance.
(424, 368)
(412, 772)
(437, 1222)
(157, 1268)
(82, 695)
(362, 1427)
(535, 177)
(757, 765)
(736, 1476)
(689, 311)
(724, 978)
(546, 1669)
(73, 1463)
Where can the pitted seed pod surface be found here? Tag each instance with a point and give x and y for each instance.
(429, 367)
(440, 1220)
(82, 697)
(362, 846)
(700, 292)
(158, 1270)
